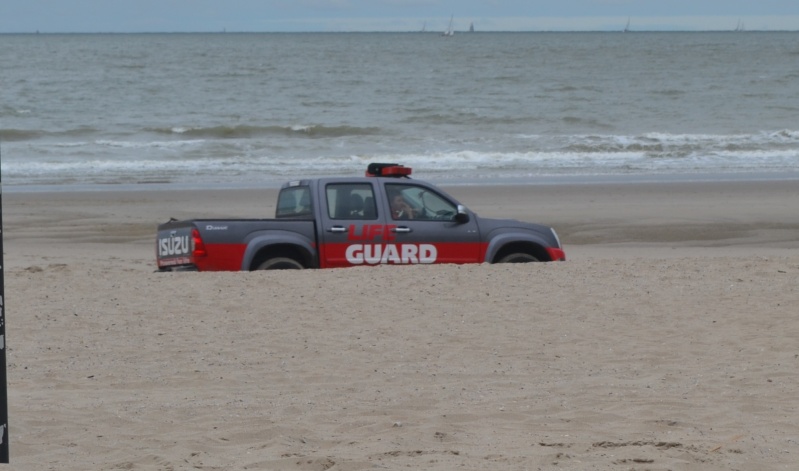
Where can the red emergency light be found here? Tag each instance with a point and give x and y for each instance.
(387, 170)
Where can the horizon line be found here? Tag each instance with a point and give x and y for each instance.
(431, 32)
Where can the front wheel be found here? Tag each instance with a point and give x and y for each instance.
(518, 258)
(280, 263)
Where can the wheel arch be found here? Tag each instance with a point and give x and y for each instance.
(264, 248)
(507, 244)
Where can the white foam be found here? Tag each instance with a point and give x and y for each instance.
(215, 160)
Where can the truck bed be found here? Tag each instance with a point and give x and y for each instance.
(213, 244)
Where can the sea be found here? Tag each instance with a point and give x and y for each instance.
(213, 110)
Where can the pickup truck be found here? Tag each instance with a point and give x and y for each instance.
(384, 217)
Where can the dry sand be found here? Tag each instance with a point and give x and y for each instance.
(668, 341)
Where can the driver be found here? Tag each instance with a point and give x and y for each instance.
(400, 209)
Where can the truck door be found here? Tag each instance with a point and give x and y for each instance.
(350, 224)
(423, 221)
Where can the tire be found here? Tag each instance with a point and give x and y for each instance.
(518, 258)
(280, 263)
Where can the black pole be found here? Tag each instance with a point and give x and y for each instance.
(3, 379)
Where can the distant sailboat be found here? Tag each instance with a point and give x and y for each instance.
(424, 27)
(740, 27)
(449, 31)
(627, 28)
(471, 28)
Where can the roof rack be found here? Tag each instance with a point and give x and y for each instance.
(387, 170)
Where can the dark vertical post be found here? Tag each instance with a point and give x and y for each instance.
(3, 380)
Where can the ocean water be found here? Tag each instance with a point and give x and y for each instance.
(258, 109)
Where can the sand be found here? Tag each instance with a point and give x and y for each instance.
(667, 341)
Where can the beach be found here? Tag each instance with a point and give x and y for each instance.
(666, 341)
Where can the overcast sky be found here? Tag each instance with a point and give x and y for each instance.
(48, 16)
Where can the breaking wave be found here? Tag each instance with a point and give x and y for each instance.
(206, 155)
(250, 131)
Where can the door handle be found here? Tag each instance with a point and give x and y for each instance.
(337, 229)
(401, 229)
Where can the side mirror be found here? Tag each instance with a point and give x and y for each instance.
(463, 215)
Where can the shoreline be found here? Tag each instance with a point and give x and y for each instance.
(591, 219)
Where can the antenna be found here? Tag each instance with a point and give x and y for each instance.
(3, 379)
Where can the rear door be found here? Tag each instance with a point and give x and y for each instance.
(351, 225)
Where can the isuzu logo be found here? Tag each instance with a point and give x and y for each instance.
(173, 245)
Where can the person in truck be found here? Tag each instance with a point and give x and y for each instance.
(400, 209)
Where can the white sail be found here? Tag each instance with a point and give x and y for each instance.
(449, 31)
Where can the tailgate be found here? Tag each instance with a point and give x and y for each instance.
(174, 245)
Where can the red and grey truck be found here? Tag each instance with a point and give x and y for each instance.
(382, 218)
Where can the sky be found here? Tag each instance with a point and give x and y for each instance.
(126, 16)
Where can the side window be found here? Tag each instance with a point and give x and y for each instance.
(294, 202)
(351, 201)
(416, 202)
